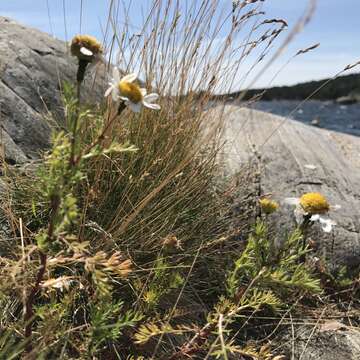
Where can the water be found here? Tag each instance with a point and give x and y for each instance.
(329, 115)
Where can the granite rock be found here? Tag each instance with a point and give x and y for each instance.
(33, 67)
(292, 158)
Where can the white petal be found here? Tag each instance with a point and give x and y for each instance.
(151, 98)
(143, 91)
(326, 224)
(108, 91)
(86, 51)
(134, 107)
(292, 201)
(315, 217)
(129, 78)
(151, 106)
(115, 94)
(116, 75)
(123, 98)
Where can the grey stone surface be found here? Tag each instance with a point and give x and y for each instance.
(278, 152)
(11, 153)
(309, 343)
(33, 66)
(282, 150)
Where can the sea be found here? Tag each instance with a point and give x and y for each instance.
(323, 114)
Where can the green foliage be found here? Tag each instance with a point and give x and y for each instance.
(149, 331)
(263, 278)
(281, 271)
(108, 320)
(76, 294)
(66, 262)
(164, 280)
(10, 346)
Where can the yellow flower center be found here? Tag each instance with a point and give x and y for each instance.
(268, 206)
(314, 203)
(86, 41)
(131, 91)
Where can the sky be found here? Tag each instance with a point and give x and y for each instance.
(335, 25)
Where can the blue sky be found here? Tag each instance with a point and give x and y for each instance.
(335, 25)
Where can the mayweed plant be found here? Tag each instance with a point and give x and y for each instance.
(312, 207)
(121, 242)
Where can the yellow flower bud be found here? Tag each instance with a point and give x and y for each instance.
(268, 206)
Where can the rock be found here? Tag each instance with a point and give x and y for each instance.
(12, 153)
(346, 100)
(352, 98)
(281, 149)
(288, 158)
(33, 66)
(315, 122)
(309, 343)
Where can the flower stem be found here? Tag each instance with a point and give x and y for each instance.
(81, 70)
(75, 125)
(29, 311)
(121, 108)
(304, 231)
(80, 78)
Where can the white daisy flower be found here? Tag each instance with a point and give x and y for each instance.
(132, 94)
(315, 207)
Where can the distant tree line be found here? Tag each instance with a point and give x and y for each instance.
(348, 85)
